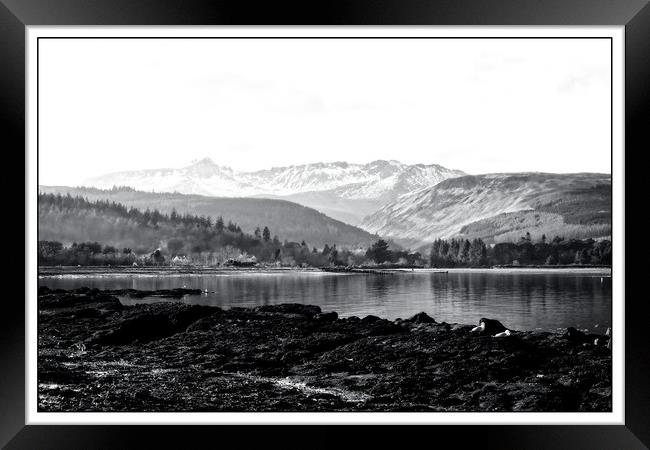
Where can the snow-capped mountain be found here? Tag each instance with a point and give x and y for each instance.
(345, 191)
(411, 204)
(498, 205)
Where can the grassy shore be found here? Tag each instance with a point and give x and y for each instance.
(95, 354)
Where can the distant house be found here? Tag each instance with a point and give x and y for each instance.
(180, 261)
(243, 260)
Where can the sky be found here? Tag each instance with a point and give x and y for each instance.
(481, 106)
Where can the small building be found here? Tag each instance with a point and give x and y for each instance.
(242, 260)
(180, 261)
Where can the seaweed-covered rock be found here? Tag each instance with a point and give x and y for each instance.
(421, 317)
(370, 319)
(326, 317)
(490, 326)
(176, 293)
(142, 328)
(150, 323)
(168, 356)
(576, 336)
(66, 300)
(290, 308)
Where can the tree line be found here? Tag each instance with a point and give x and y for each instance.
(76, 231)
(559, 251)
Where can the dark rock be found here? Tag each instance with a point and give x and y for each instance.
(143, 329)
(43, 290)
(575, 336)
(385, 327)
(206, 323)
(59, 301)
(145, 325)
(492, 326)
(370, 319)
(326, 317)
(184, 317)
(291, 308)
(161, 293)
(421, 317)
(53, 300)
(142, 394)
(86, 313)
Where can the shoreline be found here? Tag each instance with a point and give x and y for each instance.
(51, 271)
(96, 354)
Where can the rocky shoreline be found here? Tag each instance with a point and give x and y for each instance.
(95, 354)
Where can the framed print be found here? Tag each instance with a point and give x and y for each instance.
(346, 222)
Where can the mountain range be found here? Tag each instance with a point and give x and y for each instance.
(410, 205)
(344, 191)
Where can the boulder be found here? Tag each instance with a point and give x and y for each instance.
(145, 325)
(491, 326)
(370, 319)
(422, 317)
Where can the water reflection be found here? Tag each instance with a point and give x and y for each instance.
(520, 300)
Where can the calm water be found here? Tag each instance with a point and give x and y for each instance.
(523, 301)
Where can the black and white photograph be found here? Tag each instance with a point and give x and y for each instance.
(335, 223)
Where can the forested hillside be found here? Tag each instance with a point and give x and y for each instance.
(73, 230)
(289, 220)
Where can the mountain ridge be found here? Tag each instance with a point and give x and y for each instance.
(457, 206)
(361, 187)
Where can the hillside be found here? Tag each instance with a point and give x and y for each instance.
(510, 227)
(345, 191)
(288, 220)
(500, 207)
(75, 231)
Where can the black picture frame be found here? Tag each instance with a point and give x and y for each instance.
(15, 15)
